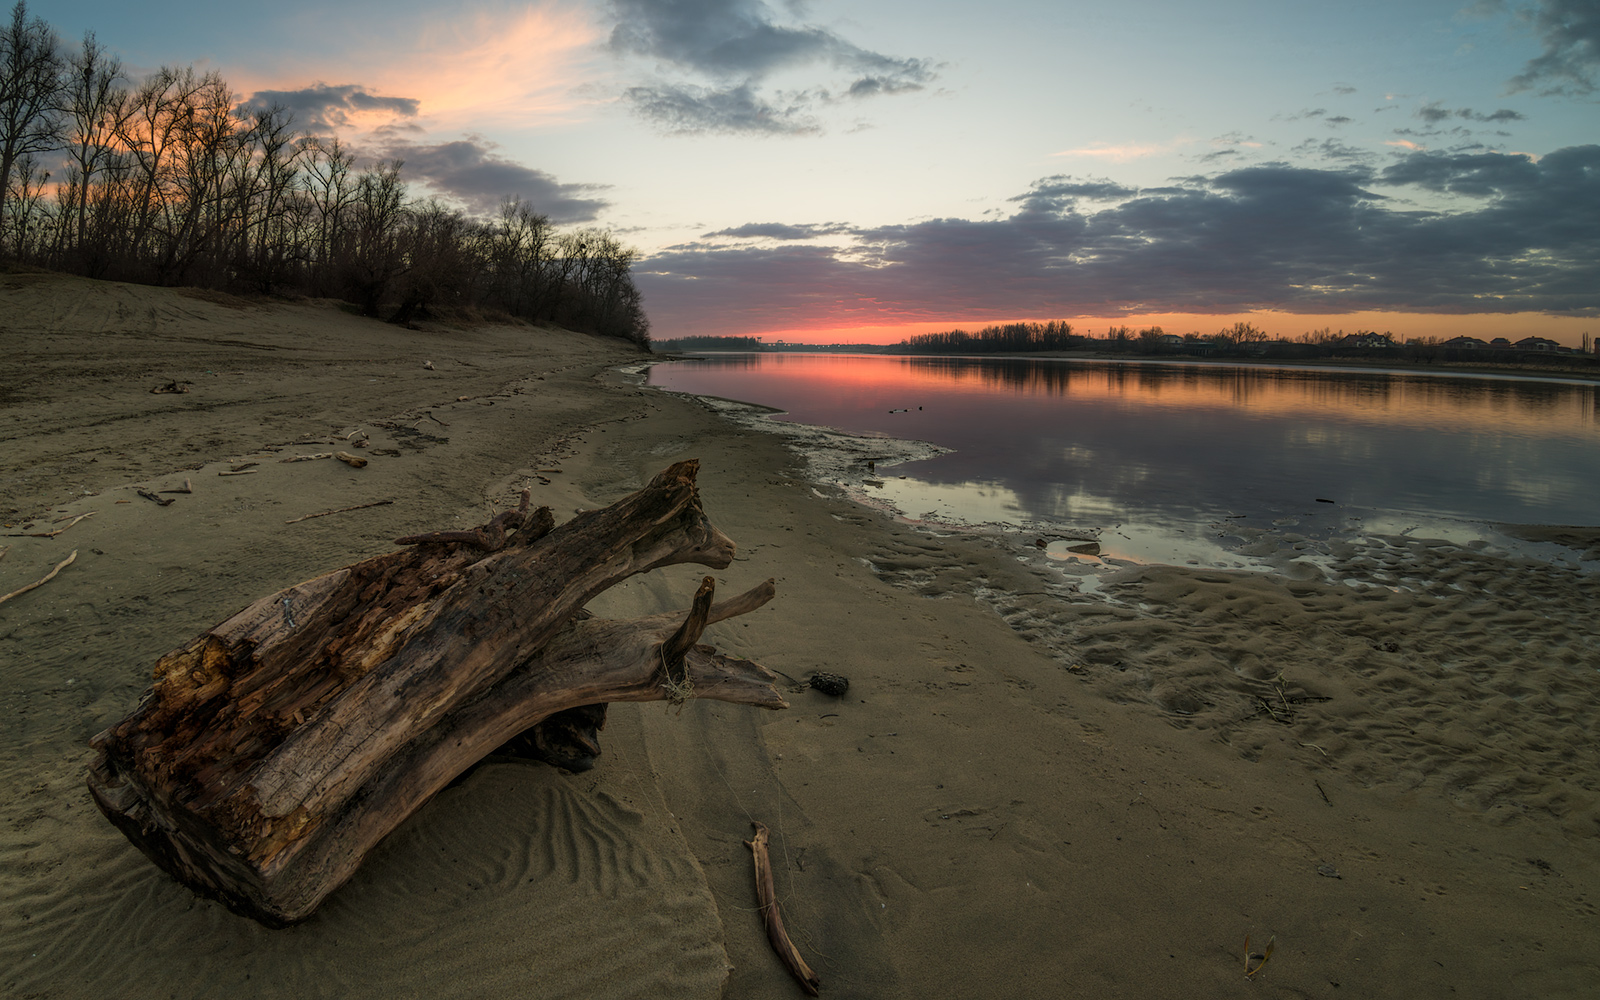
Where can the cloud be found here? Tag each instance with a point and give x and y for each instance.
(1332, 149)
(780, 231)
(1057, 192)
(1570, 33)
(1118, 153)
(686, 109)
(1434, 112)
(728, 48)
(469, 171)
(1479, 175)
(1272, 236)
(324, 108)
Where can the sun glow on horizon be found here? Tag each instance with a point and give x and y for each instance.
(1566, 330)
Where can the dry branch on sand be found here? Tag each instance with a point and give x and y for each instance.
(277, 749)
(767, 901)
(340, 510)
(51, 534)
(63, 564)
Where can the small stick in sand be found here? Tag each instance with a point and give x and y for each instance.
(162, 501)
(767, 899)
(52, 534)
(354, 461)
(3, 550)
(341, 510)
(1250, 973)
(188, 487)
(63, 564)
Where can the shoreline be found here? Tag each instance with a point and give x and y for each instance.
(1073, 796)
(1535, 372)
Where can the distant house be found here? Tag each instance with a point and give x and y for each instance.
(1537, 344)
(1465, 343)
(1500, 344)
(1368, 341)
(1170, 340)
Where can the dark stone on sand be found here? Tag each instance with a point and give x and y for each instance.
(829, 683)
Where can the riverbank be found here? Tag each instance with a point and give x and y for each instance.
(1026, 792)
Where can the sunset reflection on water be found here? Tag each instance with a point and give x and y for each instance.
(1076, 440)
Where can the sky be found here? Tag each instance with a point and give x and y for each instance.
(821, 171)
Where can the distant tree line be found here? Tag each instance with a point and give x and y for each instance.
(173, 182)
(1055, 335)
(711, 344)
(1244, 340)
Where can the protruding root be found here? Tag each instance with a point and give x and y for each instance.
(491, 537)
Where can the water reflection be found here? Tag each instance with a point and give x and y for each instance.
(1074, 441)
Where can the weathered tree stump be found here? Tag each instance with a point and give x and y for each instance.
(273, 752)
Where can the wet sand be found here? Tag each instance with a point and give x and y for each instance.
(1393, 771)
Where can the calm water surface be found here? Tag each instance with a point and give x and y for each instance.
(1167, 448)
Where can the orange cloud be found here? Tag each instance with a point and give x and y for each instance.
(494, 65)
(1118, 154)
(516, 68)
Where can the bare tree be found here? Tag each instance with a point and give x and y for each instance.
(30, 96)
(371, 249)
(331, 193)
(262, 194)
(94, 104)
(27, 210)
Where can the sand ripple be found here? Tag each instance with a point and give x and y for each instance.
(517, 881)
(1426, 664)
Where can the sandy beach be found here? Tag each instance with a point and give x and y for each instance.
(1390, 772)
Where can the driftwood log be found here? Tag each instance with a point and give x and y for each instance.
(273, 752)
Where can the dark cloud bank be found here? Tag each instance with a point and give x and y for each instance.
(471, 172)
(1263, 237)
(323, 108)
(723, 51)
(1570, 33)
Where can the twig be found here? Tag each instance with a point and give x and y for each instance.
(50, 534)
(490, 537)
(341, 510)
(161, 501)
(3, 550)
(355, 461)
(236, 472)
(63, 564)
(1250, 973)
(767, 899)
(188, 487)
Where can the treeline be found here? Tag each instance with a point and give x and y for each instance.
(1055, 335)
(711, 344)
(173, 181)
